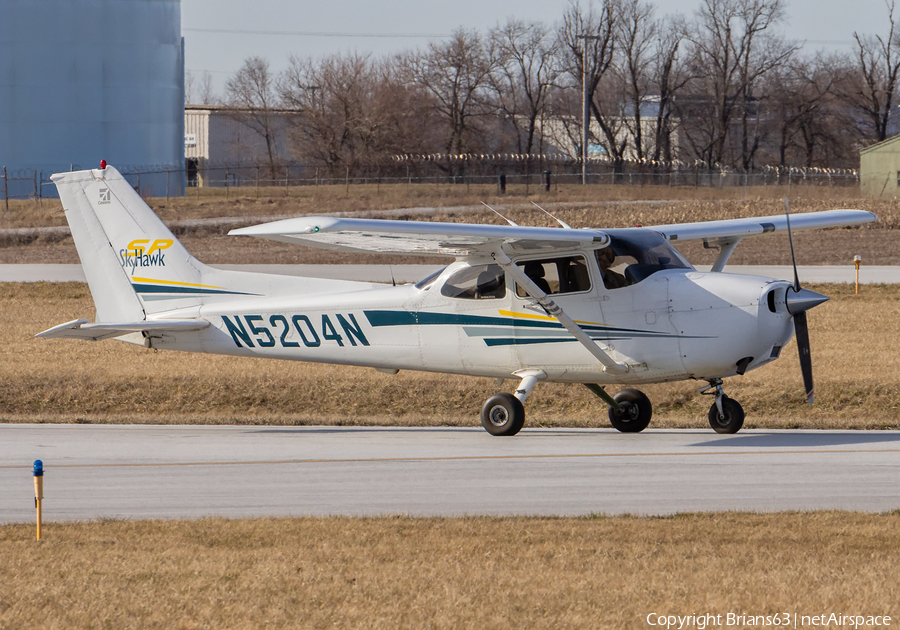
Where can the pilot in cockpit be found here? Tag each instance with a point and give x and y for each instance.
(611, 279)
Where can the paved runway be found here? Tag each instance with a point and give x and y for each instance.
(186, 472)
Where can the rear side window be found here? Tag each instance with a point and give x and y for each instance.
(482, 282)
(557, 275)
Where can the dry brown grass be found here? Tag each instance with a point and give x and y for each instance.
(855, 347)
(608, 206)
(399, 572)
(212, 202)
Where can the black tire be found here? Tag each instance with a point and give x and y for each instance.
(503, 415)
(635, 413)
(733, 420)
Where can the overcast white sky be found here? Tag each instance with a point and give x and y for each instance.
(220, 34)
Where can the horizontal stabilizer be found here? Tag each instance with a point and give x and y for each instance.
(83, 329)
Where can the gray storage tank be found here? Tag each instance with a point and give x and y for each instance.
(85, 80)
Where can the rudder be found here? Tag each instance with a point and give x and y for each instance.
(130, 258)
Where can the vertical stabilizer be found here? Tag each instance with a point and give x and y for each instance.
(129, 256)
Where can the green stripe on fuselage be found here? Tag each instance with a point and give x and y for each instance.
(187, 291)
(410, 318)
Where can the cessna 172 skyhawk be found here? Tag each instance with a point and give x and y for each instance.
(597, 307)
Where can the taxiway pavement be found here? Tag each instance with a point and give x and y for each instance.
(114, 471)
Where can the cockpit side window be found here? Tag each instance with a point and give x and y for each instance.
(482, 282)
(557, 275)
(635, 255)
(612, 267)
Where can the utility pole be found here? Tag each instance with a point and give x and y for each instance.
(586, 106)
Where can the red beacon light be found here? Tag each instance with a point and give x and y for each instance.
(102, 165)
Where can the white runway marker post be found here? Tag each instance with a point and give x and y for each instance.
(38, 491)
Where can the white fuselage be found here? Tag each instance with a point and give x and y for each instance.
(675, 324)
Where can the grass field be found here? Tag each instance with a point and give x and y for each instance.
(213, 202)
(399, 572)
(855, 348)
(594, 206)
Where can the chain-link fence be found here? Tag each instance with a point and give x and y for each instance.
(502, 171)
(20, 184)
(149, 181)
(259, 180)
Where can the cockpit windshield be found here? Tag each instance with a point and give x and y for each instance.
(426, 282)
(633, 255)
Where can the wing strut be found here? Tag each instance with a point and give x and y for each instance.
(726, 247)
(610, 365)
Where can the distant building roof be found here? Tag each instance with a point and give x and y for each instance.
(878, 146)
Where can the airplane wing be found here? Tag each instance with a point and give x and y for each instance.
(461, 239)
(739, 228)
(417, 237)
(82, 329)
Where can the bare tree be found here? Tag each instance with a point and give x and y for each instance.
(637, 32)
(726, 89)
(808, 121)
(206, 94)
(524, 75)
(669, 78)
(872, 87)
(251, 93)
(351, 112)
(199, 90)
(189, 81)
(732, 50)
(455, 76)
(594, 28)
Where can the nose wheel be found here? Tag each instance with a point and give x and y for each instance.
(725, 415)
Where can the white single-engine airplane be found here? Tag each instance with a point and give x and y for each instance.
(597, 307)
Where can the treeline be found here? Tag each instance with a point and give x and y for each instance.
(724, 89)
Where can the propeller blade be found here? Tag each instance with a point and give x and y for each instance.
(802, 331)
(798, 304)
(787, 216)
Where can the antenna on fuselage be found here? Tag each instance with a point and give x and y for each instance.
(558, 220)
(510, 221)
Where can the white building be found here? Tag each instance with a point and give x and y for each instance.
(565, 132)
(227, 144)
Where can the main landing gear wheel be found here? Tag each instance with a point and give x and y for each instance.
(732, 418)
(634, 416)
(503, 414)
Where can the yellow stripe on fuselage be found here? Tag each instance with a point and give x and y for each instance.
(178, 284)
(545, 318)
